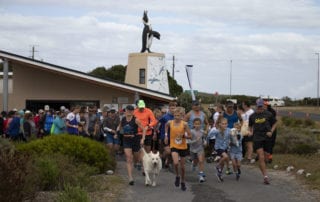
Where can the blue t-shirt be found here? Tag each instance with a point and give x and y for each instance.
(163, 120)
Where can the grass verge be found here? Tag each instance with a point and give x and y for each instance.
(309, 163)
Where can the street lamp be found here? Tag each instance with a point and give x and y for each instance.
(318, 82)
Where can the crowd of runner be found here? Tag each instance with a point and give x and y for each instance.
(229, 132)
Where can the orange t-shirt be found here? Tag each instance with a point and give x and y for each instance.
(177, 138)
(146, 117)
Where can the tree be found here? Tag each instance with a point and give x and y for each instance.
(116, 72)
(174, 88)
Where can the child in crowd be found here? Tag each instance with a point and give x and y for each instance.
(236, 150)
(196, 148)
(223, 137)
(179, 132)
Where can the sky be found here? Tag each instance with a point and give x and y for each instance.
(243, 47)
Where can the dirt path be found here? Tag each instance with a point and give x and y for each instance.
(283, 187)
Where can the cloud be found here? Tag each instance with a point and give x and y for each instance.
(271, 43)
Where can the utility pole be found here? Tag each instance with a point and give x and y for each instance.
(173, 65)
(33, 50)
(318, 82)
(230, 77)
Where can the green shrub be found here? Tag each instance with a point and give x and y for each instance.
(56, 170)
(82, 150)
(305, 149)
(309, 123)
(287, 121)
(293, 141)
(73, 193)
(297, 122)
(14, 169)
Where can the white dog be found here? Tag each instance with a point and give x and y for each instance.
(152, 165)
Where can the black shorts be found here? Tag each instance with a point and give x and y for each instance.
(147, 140)
(248, 138)
(221, 151)
(266, 145)
(132, 143)
(181, 152)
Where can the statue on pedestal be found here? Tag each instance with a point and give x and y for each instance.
(147, 34)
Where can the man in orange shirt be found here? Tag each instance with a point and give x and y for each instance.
(148, 121)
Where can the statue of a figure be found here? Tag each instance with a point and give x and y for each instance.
(147, 34)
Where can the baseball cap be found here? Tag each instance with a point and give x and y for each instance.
(259, 102)
(195, 102)
(46, 108)
(141, 104)
(129, 107)
(229, 104)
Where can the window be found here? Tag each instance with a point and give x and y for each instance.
(142, 76)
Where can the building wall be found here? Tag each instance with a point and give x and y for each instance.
(33, 83)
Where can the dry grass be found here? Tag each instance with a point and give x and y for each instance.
(310, 164)
(313, 110)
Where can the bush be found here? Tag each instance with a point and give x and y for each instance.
(287, 121)
(56, 170)
(73, 193)
(309, 123)
(295, 142)
(83, 150)
(14, 169)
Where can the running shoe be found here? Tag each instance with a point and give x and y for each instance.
(201, 179)
(237, 176)
(252, 161)
(219, 176)
(228, 171)
(138, 166)
(202, 174)
(266, 180)
(131, 182)
(183, 186)
(177, 182)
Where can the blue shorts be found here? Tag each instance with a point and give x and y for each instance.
(237, 156)
(111, 140)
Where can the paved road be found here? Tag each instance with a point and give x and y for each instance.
(283, 187)
(300, 115)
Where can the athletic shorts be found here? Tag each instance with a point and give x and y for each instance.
(265, 144)
(132, 143)
(109, 139)
(147, 140)
(237, 156)
(181, 152)
(194, 155)
(221, 151)
(248, 138)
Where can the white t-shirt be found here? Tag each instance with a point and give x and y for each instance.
(71, 116)
(245, 116)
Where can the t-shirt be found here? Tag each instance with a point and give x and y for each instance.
(261, 124)
(146, 117)
(163, 120)
(196, 142)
